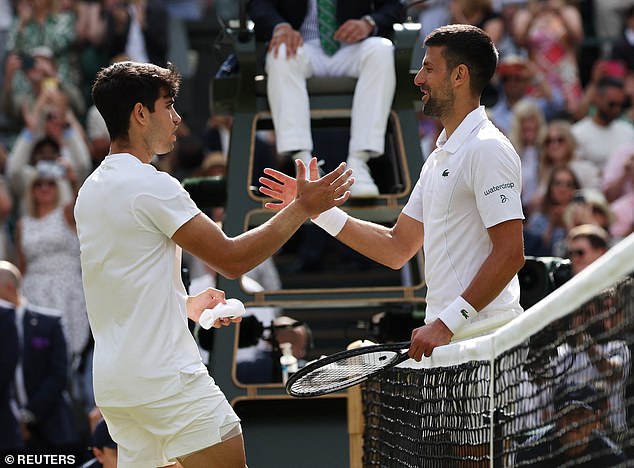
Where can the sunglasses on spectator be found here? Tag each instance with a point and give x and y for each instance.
(577, 253)
(44, 183)
(559, 139)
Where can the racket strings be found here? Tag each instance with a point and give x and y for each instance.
(342, 372)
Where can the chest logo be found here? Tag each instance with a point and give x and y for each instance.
(504, 198)
(445, 173)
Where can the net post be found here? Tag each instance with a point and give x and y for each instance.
(356, 418)
(356, 426)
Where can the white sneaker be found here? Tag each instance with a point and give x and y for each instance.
(364, 186)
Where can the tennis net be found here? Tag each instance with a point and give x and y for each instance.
(553, 387)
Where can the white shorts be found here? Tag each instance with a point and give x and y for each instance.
(155, 434)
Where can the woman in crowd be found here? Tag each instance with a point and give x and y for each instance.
(48, 256)
(528, 127)
(559, 149)
(545, 230)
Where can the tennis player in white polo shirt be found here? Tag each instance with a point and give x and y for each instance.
(465, 210)
(133, 221)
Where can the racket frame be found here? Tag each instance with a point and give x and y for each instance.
(312, 366)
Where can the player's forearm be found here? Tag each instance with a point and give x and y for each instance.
(392, 247)
(374, 241)
(245, 251)
(495, 273)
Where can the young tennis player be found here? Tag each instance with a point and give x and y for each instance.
(150, 383)
(465, 210)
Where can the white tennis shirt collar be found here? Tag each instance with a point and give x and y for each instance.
(472, 121)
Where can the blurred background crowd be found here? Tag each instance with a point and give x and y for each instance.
(563, 94)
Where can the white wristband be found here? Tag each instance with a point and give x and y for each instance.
(457, 314)
(332, 220)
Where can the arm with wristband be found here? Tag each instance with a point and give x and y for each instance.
(332, 221)
(494, 274)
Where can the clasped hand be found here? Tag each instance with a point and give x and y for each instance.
(315, 195)
(348, 33)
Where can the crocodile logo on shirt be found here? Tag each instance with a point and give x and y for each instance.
(445, 173)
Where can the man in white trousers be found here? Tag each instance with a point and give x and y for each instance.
(345, 38)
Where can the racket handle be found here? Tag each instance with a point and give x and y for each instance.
(232, 309)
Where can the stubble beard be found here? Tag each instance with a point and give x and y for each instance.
(438, 107)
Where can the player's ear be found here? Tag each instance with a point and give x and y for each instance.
(460, 74)
(139, 112)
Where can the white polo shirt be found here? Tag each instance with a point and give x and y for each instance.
(470, 182)
(126, 213)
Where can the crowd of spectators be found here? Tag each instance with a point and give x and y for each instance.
(51, 138)
(558, 109)
(572, 126)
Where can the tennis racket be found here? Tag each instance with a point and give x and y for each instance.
(345, 369)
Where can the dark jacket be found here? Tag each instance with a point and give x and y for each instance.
(266, 14)
(45, 372)
(10, 438)
(155, 35)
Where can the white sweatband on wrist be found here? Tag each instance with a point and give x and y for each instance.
(457, 314)
(332, 220)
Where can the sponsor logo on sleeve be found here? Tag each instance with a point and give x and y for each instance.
(496, 188)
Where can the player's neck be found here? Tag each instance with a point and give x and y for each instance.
(453, 120)
(139, 152)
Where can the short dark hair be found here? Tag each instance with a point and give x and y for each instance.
(119, 87)
(468, 45)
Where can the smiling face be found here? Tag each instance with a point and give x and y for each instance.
(434, 82)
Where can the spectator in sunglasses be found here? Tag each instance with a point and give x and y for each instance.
(586, 243)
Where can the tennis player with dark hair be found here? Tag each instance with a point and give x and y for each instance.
(465, 210)
(133, 221)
